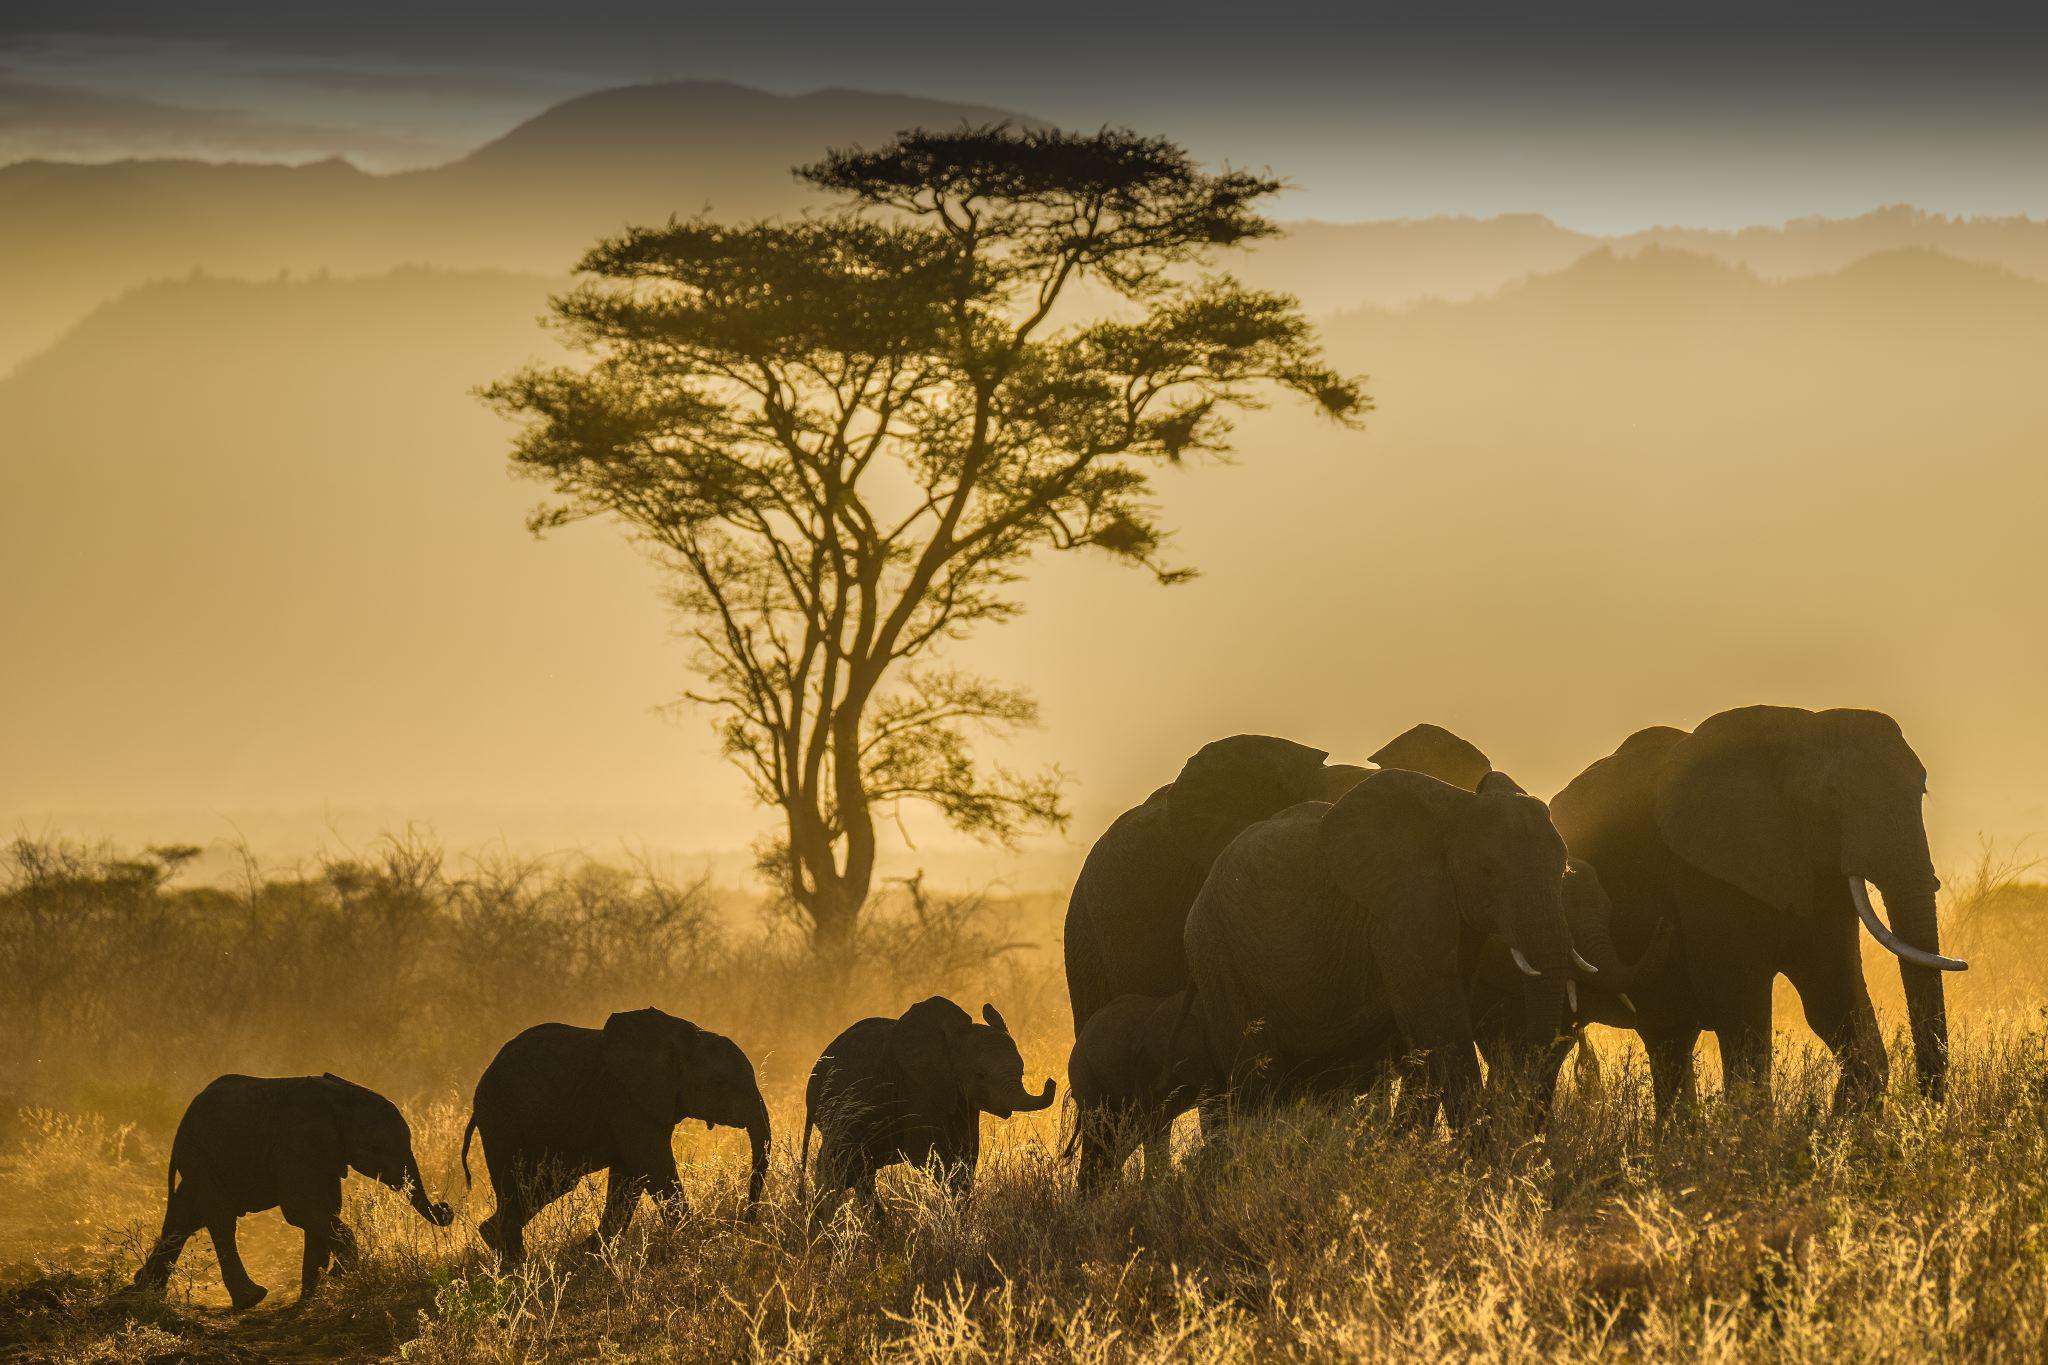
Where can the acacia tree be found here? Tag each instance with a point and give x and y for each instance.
(848, 433)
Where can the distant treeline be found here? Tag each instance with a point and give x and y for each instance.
(127, 991)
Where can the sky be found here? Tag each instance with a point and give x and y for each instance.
(1824, 490)
(1608, 118)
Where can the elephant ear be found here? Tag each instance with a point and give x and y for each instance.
(1735, 800)
(920, 1051)
(1233, 783)
(639, 1052)
(1386, 837)
(1435, 751)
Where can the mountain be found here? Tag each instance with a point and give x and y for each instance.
(266, 553)
(532, 200)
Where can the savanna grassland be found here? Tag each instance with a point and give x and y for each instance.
(1911, 1231)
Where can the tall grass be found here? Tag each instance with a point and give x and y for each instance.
(1737, 1232)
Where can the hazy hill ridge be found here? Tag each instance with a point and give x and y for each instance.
(72, 236)
(282, 564)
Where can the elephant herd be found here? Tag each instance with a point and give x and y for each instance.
(561, 1102)
(1271, 925)
(1267, 926)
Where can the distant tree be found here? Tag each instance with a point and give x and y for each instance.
(847, 434)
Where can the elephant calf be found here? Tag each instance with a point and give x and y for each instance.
(249, 1143)
(1138, 1065)
(913, 1089)
(559, 1102)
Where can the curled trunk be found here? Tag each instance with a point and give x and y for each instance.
(1028, 1103)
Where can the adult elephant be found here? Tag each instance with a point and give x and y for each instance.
(559, 1102)
(1331, 927)
(1130, 904)
(1755, 835)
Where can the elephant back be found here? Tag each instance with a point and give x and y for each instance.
(1127, 911)
(1274, 950)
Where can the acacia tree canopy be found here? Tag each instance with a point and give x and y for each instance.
(848, 433)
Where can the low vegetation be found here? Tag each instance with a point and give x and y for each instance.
(1739, 1232)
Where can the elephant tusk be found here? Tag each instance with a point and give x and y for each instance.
(1571, 994)
(1627, 1003)
(1523, 963)
(1588, 968)
(1919, 957)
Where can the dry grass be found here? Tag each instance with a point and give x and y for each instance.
(1906, 1232)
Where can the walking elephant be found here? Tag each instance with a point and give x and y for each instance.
(912, 1089)
(1328, 929)
(1139, 1064)
(559, 1102)
(249, 1143)
(1755, 835)
(1130, 904)
(1758, 835)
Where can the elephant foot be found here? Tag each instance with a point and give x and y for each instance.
(248, 1296)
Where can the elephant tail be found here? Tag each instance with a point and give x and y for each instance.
(803, 1153)
(467, 1134)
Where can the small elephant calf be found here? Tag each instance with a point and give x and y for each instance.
(912, 1089)
(249, 1143)
(1139, 1064)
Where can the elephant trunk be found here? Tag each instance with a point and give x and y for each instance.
(1541, 942)
(1028, 1103)
(760, 1139)
(439, 1214)
(1543, 1009)
(1913, 929)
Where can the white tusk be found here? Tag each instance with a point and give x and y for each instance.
(1627, 1003)
(1919, 957)
(1571, 994)
(1588, 968)
(1523, 963)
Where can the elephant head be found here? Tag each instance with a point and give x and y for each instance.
(943, 1060)
(1436, 752)
(667, 1070)
(375, 1140)
(1775, 800)
(1404, 843)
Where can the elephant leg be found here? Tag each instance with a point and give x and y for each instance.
(313, 1262)
(1417, 1105)
(666, 1185)
(181, 1219)
(1096, 1170)
(1158, 1147)
(348, 1252)
(1741, 1021)
(864, 1191)
(1828, 974)
(622, 1192)
(504, 1232)
(243, 1291)
(1673, 1077)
